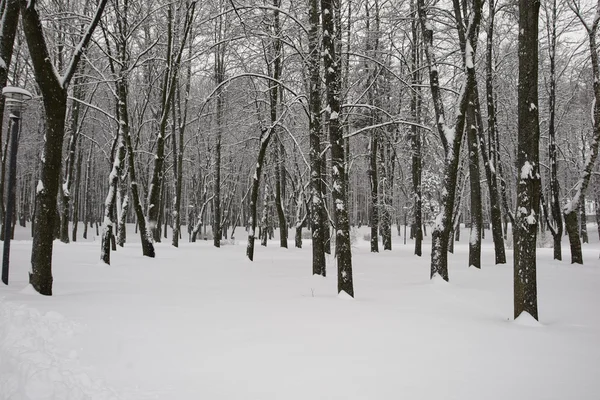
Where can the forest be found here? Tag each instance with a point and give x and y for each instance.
(456, 135)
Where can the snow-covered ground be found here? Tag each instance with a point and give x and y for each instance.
(204, 323)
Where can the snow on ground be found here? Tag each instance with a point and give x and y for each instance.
(204, 323)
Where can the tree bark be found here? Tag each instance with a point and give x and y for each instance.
(571, 208)
(9, 21)
(317, 211)
(450, 136)
(528, 202)
(54, 98)
(474, 180)
(265, 137)
(77, 196)
(339, 173)
(415, 135)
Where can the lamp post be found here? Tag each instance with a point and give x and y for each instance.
(15, 103)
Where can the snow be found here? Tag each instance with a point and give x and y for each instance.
(450, 134)
(344, 296)
(526, 170)
(334, 115)
(531, 218)
(525, 319)
(469, 55)
(199, 322)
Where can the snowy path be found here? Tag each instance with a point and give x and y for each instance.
(204, 323)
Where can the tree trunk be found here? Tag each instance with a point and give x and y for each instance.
(450, 136)
(528, 202)
(490, 152)
(265, 136)
(147, 246)
(339, 175)
(374, 197)
(317, 212)
(111, 198)
(77, 193)
(474, 179)
(8, 28)
(86, 193)
(571, 208)
(557, 231)
(415, 135)
(54, 97)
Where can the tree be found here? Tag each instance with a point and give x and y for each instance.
(332, 61)
(450, 137)
(572, 207)
(489, 150)
(9, 20)
(53, 88)
(415, 134)
(528, 179)
(316, 202)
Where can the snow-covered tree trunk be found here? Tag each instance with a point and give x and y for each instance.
(265, 137)
(54, 97)
(69, 169)
(572, 207)
(316, 199)
(174, 54)
(86, 193)
(374, 193)
(111, 197)
(339, 184)
(557, 223)
(450, 136)
(489, 150)
(474, 180)
(9, 21)
(415, 134)
(528, 179)
(77, 195)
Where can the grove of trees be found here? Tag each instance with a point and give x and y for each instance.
(199, 117)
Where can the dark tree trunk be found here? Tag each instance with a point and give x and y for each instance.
(178, 155)
(317, 212)
(265, 137)
(557, 230)
(386, 167)
(147, 246)
(111, 198)
(415, 135)
(173, 60)
(474, 180)
(122, 223)
(490, 152)
(265, 218)
(583, 221)
(571, 209)
(275, 97)
(332, 60)
(8, 29)
(86, 194)
(219, 73)
(450, 136)
(54, 98)
(374, 197)
(528, 201)
(69, 168)
(77, 195)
